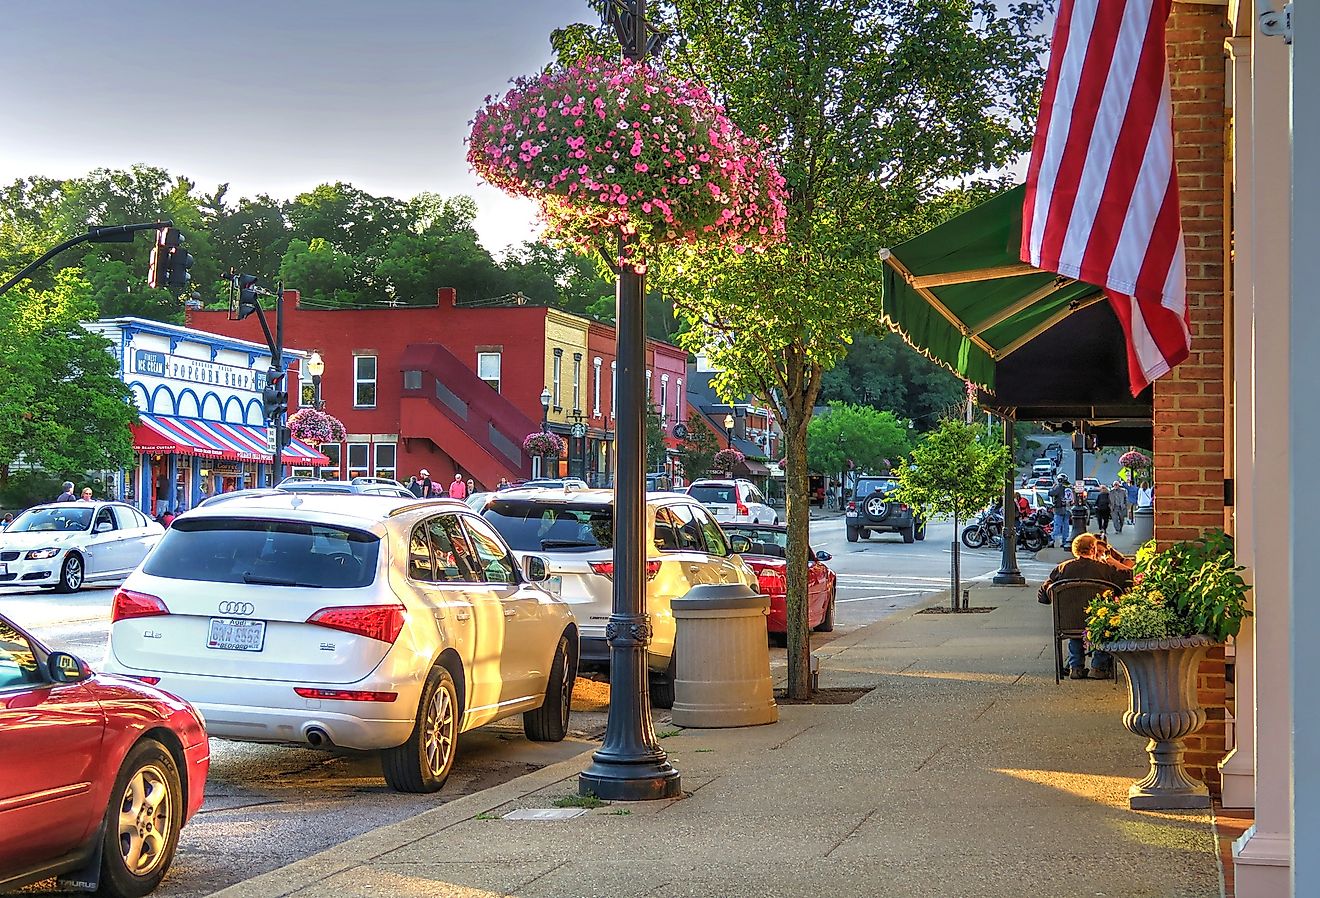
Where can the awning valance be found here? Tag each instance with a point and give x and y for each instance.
(213, 439)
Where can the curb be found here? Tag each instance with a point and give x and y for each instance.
(378, 842)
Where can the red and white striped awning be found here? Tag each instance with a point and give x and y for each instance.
(214, 439)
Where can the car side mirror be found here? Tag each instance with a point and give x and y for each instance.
(535, 570)
(822, 555)
(739, 545)
(104, 527)
(65, 668)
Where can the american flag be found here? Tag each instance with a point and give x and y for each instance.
(1102, 192)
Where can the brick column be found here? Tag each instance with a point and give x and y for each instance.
(1189, 401)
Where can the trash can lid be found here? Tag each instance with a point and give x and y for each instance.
(715, 597)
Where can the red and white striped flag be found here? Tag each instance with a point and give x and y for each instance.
(1102, 192)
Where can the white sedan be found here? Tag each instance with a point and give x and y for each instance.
(66, 544)
(364, 622)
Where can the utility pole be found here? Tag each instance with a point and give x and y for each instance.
(112, 234)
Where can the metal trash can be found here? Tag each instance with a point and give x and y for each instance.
(722, 658)
(1143, 525)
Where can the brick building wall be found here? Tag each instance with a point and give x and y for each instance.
(1189, 402)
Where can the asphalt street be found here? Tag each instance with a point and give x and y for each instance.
(268, 806)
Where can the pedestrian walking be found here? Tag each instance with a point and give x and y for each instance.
(414, 486)
(1118, 503)
(1102, 510)
(6, 520)
(427, 488)
(1145, 495)
(1132, 495)
(457, 489)
(67, 494)
(471, 487)
(1061, 497)
(86, 495)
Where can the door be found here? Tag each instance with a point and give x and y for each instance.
(525, 636)
(760, 509)
(720, 562)
(136, 539)
(106, 552)
(444, 593)
(50, 741)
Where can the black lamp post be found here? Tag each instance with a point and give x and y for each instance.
(728, 429)
(630, 765)
(545, 428)
(1008, 574)
(316, 367)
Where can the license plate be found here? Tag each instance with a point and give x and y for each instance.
(236, 634)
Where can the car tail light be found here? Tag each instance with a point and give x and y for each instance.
(771, 581)
(606, 569)
(902, 507)
(345, 695)
(852, 506)
(381, 622)
(128, 604)
(741, 508)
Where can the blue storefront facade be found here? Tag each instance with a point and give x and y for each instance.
(198, 396)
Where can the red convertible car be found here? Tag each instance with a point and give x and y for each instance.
(764, 548)
(97, 773)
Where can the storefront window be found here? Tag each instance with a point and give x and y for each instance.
(330, 451)
(359, 458)
(385, 454)
(364, 382)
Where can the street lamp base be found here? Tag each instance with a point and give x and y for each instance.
(646, 779)
(1009, 578)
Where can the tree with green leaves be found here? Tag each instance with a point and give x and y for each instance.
(871, 440)
(656, 450)
(953, 472)
(698, 448)
(63, 405)
(875, 107)
(883, 371)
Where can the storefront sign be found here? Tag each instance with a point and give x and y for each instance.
(160, 364)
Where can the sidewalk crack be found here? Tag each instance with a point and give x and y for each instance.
(931, 756)
(791, 738)
(860, 823)
(984, 711)
(535, 879)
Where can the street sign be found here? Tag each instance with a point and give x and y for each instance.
(270, 439)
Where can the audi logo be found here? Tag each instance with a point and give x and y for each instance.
(236, 608)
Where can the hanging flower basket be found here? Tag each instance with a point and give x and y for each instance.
(313, 426)
(609, 147)
(542, 443)
(728, 459)
(1134, 459)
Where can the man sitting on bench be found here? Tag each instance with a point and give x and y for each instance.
(1090, 562)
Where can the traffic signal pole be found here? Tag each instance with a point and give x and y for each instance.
(275, 395)
(99, 234)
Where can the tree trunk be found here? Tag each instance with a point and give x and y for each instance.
(798, 515)
(954, 573)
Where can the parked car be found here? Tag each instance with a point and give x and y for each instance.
(63, 545)
(1044, 467)
(98, 773)
(733, 501)
(370, 486)
(765, 549)
(551, 483)
(574, 533)
(872, 510)
(368, 623)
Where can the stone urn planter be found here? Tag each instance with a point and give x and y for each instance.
(1164, 709)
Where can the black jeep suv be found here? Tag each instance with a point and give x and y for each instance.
(871, 509)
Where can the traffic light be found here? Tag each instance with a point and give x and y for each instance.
(248, 297)
(159, 255)
(178, 262)
(169, 261)
(274, 397)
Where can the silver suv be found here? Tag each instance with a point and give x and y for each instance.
(574, 532)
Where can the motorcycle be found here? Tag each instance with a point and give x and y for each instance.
(988, 528)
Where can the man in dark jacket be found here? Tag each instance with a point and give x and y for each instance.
(1089, 563)
(1060, 500)
(67, 495)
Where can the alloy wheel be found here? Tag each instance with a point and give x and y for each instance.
(146, 821)
(439, 732)
(73, 568)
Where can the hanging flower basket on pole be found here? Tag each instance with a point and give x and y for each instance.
(611, 147)
(314, 427)
(542, 443)
(728, 459)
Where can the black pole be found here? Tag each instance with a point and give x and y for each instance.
(101, 234)
(277, 362)
(630, 765)
(1009, 575)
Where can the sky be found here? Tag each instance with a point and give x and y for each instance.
(270, 97)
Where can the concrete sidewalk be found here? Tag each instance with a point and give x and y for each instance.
(964, 772)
